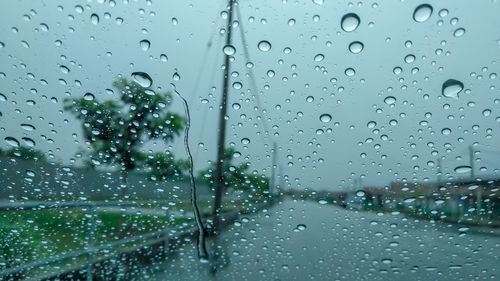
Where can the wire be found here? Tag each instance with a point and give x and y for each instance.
(253, 83)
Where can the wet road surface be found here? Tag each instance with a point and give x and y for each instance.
(296, 240)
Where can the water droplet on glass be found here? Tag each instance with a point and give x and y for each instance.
(142, 79)
(390, 100)
(325, 118)
(28, 127)
(319, 57)
(236, 106)
(12, 141)
(94, 19)
(318, 2)
(79, 9)
(301, 226)
(451, 88)
(245, 141)
(446, 131)
(349, 22)
(229, 50)
(163, 58)
(350, 72)
(422, 12)
(264, 46)
(145, 44)
(29, 142)
(463, 169)
(459, 32)
(88, 96)
(64, 69)
(410, 58)
(356, 47)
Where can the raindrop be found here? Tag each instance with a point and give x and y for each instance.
(371, 124)
(350, 72)
(79, 9)
(446, 131)
(325, 118)
(356, 47)
(245, 141)
(318, 2)
(390, 100)
(229, 50)
(397, 70)
(301, 226)
(264, 46)
(28, 127)
(88, 96)
(94, 18)
(463, 169)
(349, 22)
(142, 79)
(322, 202)
(237, 85)
(29, 142)
(319, 57)
(12, 141)
(163, 58)
(422, 12)
(64, 69)
(410, 58)
(310, 99)
(3, 97)
(459, 32)
(145, 44)
(451, 88)
(236, 106)
(30, 173)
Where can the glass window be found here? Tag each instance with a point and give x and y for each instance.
(227, 140)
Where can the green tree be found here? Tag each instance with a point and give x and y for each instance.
(25, 153)
(116, 129)
(236, 177)
(161, 166)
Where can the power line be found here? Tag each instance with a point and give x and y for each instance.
(253, 83)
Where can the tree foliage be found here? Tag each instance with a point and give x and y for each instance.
(116, 129)
(236, 177)
(25, 153)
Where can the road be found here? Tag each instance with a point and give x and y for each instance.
(306, 241)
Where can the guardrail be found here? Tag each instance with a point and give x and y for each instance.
(90, 250)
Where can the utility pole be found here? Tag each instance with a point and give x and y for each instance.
(471, 160)
(273, 171)
(440, 172)
(219, 173)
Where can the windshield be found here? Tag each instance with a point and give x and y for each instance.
(226, 140)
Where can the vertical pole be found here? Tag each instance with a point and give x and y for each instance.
(440, 172)
(272, 184)
(219, 176)
(90, 242)
(471, 160)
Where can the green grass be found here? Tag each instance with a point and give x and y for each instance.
(27, 236)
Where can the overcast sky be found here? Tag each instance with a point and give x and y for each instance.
(38, 37)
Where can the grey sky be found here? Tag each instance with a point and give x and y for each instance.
(96, 54)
